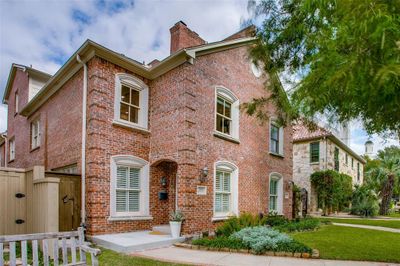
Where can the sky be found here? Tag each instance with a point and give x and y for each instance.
(45, 33)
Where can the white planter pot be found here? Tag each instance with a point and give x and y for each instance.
(175, 228)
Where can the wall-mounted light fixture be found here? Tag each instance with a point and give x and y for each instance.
(163, 181)
(203, 174)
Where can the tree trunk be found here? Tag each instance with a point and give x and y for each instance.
(387, 193)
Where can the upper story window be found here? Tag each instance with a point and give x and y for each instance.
(276, 139)
(226, 113)
(12, 149)
(225, 190)
(358, 172)
(336, 158)
(35, 134)
(347, 159)
(131, 102)
(129, 193)
(16, 103)
(352, 163)
(314, 152)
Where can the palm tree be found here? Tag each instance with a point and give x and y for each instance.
(384, 177)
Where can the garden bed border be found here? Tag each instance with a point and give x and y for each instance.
(304, 255)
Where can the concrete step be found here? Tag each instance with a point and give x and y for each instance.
(165, 228)
(135, 241)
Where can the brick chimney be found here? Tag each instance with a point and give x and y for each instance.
(183, 37)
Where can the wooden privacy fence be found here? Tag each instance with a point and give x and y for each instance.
(51, 249)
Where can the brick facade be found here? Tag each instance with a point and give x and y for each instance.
(180, 141)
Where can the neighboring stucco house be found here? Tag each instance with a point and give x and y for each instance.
(319, 149)
(151, 138)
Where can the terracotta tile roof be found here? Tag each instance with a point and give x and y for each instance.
(302, 132)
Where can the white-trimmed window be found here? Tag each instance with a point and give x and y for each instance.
(225, 190)
(276, 139)
(35, 134)
(16, 103)
(12, 149)
(129, 193)
(226, 113)
(275, 193)
(131, 101)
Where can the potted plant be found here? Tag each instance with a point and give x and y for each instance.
(175, 223)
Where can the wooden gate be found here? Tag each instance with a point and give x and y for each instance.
(12, 201)
(69, 202)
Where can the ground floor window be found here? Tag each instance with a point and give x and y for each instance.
(275, 193)
(129, 190)
(225, 189)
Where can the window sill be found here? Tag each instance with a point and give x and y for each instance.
(35, 149)
(11, 161)
(276, 154)
(314, 163)
(130, 126)
(226, 137)
(129, 218)
(220, 218)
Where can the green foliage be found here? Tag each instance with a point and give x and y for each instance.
(235, 224)
(384, 177)
(364, 201)
(220, 242)
(344, 54)
(261, 239)
(305, 224)
(333, 189)
(276, 220)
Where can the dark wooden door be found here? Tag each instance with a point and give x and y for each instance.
(69, 203)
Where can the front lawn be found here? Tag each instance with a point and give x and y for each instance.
(394, 215)
(347, 243)
(362, 221)
(112, 258)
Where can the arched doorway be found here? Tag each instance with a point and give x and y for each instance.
(162, 190)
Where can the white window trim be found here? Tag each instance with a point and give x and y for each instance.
(12, 149)
(123, 78)
(279, 204)
(227, 166)
(226, 93)
(281, 137)
(34, 123)
(144, 211)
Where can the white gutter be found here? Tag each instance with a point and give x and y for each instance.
(83, 164)
(5, 149)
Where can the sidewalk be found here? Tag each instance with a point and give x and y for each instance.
(379, 228)
(201, 257)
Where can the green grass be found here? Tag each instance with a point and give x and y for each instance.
(384, 223)
(112, 258)
(394, 215)
(347, 243)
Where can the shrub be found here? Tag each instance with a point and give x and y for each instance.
(300, 225)
(275, 220)
(364, 201)
(235, 224)
(261, 239)
(220, 242)
(333, 189)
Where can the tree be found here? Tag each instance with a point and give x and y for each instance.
(346, 54)
(385, 177)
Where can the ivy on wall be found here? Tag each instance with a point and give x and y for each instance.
(333, 190)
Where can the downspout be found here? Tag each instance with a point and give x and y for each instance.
(83, 164)
(5, 149)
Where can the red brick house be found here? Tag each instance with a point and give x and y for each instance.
(149, 139)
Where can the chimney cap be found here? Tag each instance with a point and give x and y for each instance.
(181, 22)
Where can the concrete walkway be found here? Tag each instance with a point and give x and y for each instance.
(379, 228)
(201, 257)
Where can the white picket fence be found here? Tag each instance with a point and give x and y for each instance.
(63, 241)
